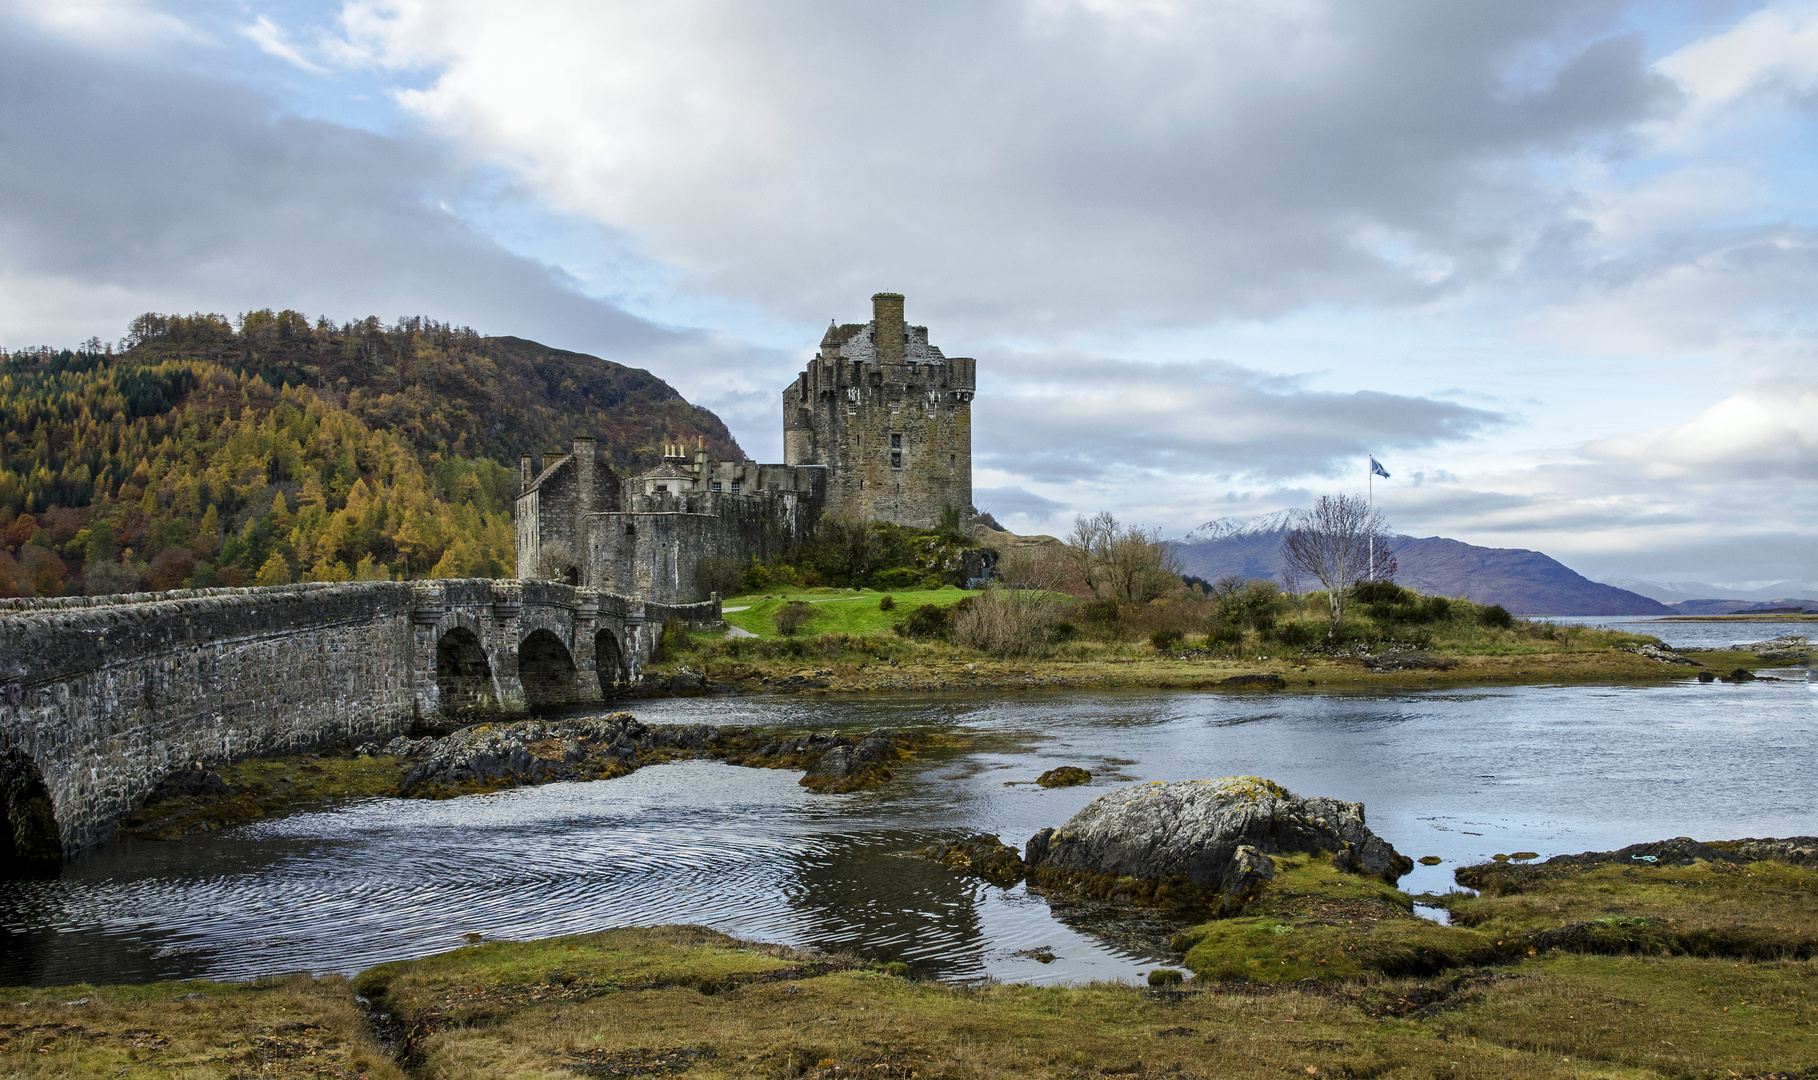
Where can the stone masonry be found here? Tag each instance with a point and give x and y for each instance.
(102, 697)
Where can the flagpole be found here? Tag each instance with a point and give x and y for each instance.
(1370, 480)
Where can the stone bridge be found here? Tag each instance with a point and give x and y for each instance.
(103, 697)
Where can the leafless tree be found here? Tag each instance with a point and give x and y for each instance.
(1123, 561)
(557, 561)
(1017, 615)
(1333, 542)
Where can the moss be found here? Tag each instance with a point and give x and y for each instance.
(242, 791)
(1064, 776)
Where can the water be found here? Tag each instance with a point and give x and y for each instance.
(1461, 775)
(1702, 635)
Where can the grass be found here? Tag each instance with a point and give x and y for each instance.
(852, 612)
(287, 1027)
(690, 1001)
(1762, 910)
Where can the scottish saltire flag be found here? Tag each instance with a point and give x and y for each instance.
(1377, 469)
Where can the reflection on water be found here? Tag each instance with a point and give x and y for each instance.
(1458, 775)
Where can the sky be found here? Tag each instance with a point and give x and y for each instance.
(1552, 263)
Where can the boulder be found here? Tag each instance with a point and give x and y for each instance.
(1202, 843)
(850, 766)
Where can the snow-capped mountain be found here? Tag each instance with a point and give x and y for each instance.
(1225, 527)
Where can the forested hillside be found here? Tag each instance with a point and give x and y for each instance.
(281, 450)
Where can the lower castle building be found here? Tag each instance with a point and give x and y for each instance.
(877, 427)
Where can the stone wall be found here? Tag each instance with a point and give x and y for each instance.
(652, 548)
(103, 697)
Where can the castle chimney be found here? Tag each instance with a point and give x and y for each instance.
(524, 474)
(887, 312)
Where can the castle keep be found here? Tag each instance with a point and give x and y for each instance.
(878, 427)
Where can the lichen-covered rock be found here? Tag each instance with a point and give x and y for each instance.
(1064, 776)
(1201, 843)
(854, 766)
(983, 855)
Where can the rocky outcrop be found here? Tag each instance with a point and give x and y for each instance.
(983, 856)
(487, 757)
(1201, 843)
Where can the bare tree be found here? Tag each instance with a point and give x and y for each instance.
(1133, 564)
(1333, 541)
(557, 561)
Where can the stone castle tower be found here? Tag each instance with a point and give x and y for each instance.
(890, 418)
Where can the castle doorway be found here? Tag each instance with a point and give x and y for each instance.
(463, 674)
(609, 661)
(546, 669)
(29, 837)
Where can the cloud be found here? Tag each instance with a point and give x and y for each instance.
(1014, 501)
(1071, 418)
(210, 197)
(119, 26)
(1761, 432)
(273, 41)
(1081, 161)
(1768, 54)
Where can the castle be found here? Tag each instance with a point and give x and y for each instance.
(878, 426)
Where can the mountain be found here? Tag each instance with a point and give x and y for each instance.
(1743, 607)
(1675, 592)
(277, 450)
(1525, 582)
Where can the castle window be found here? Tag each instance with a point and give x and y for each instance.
(662, 487)
(715, 486)
(631, 530)
(896, 442)
(950, 462)
(896, 459)
(735, 487)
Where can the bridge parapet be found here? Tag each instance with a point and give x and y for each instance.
(102, 697)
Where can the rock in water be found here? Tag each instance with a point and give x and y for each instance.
(1065, 776)
(983, 855)
(1202, 843)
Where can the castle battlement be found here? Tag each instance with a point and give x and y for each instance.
(878, 426)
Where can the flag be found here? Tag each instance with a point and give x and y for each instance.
(1377, 469)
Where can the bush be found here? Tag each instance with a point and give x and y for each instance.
(888, 603)
(1495, 615)
(1293, 634)
(673, 641)
(1381, 592)
(1163, 640)
(723, 574)
(1006, 622)
(927, 621)
(792, 617)
(1227, 635)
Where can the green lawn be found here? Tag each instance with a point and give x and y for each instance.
(836, 611)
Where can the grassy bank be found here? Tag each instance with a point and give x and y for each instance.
(873, 662)
(857, 640)
(681, 1001)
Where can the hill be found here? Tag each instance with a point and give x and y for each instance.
(1783, 606)
(1524, 582)
(280, 450)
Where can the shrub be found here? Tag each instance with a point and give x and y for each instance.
(792, 617)
(1293, 634)
(1495, 615)
(1381, 592)
(927, 621)
(723, 574)
(673, 641)
(1163, 640)
(888, 603)
(1006, 622)
(1227, 635)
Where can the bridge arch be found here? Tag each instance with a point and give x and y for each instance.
(28, 822)
(463, 673)
(609, 661)
(546, 669)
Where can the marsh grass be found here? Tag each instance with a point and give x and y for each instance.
(286, 1027)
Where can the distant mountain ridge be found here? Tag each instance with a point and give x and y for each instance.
(1525, 582)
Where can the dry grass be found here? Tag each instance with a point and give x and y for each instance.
(292, 1027)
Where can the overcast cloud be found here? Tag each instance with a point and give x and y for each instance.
(1552, 260)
